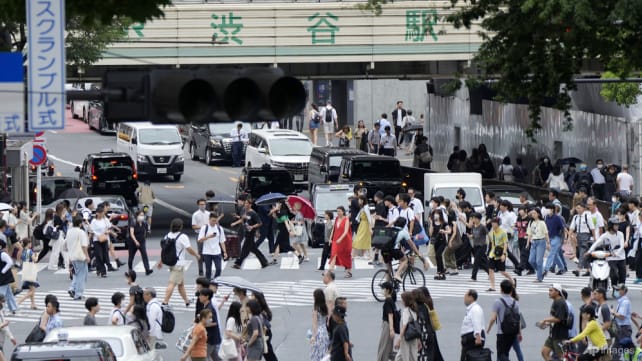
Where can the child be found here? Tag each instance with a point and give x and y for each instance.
(28, 259)
(93, 307)
(4, 330)
(117, 317)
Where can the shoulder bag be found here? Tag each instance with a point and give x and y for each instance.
(36, 334)
(413, 330)
(29, 271)
(228, 349)
(434, 320)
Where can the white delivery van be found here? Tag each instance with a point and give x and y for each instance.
(156, 149)
(447, 184)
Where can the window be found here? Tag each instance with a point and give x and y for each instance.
(159, 136)
(290, 147)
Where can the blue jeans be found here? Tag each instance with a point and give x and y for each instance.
(518, 350)
(80, 278)
(208, 259)
(8, 296)
(536, 257)
(554, 258)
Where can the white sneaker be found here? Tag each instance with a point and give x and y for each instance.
(307, 259)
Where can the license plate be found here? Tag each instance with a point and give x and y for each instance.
(161, 170)
(298, 177)
(115, 186)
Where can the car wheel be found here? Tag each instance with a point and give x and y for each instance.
(208, 156)
(192, 151)
(89, 124)
(177, 177)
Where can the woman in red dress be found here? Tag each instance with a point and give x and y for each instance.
(341, 253)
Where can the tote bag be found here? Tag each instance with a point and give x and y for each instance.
(228, 349)
(29, 272)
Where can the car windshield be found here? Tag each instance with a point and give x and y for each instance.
(280, 182)
(290, 146)
(226, 128)
(327, 201)
(473, 195)
(155, 136)
(373, 170)
(335, 161)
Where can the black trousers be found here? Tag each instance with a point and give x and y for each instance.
(638, 262)
(325, 254)
(468, 343)
(440, 247)
(524, 253)
(237, 154)
(514, 259)
(266, 231)
(618, 272)
(101, 252)
(269, 356)
(45, 249)
(250, 247)
(504, 343)
(481, 261)
(132, 249)
(598, 191)
(200, 262)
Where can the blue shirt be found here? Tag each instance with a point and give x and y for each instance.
(54, 322)
(573, 331)
(624, 309)
(555, 225)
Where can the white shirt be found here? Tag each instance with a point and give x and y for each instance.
(626, 181)
(200, 218)
(118, 315)
(8, 262)
(597, 219)
(238, 135)
(507, 220)
(383, 122)
(393, 214)
(325, 109)
(598, 178)
(616, 244)
(99, 227)
(155, 318)
(330, 292)
(582, 223)
(388, 141)
(212, 246)
(474, 320)
(418, 208)
(76, 239)
(182, 243)
(409, 215)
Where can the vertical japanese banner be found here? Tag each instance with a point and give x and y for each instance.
(12, 114)
(46, 68)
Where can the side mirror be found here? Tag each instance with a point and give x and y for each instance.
(262, 150)
(134, 141)
(77, 169)
(323, 169)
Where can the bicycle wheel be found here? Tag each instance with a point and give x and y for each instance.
(379, 277)
(413, 278)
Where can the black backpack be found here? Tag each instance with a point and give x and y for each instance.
(568, 322)
(168, 322)
(168, 250)
(38, 232)
(384, 238)
(511, 323)
(328, 115)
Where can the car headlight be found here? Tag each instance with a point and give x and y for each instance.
(180, 158)
(141, 158)
(215, 142)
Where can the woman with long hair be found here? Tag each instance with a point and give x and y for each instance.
(407, 349)
(254, 331)
(25, 220)
(281, 214)
(48, 221)
(429, 347)
(361, 243)
(389, 326)
(439, 234)
(360, 132)
(319, 341)
(341, 243)
(140, 320)
(315, 122)
(137, 241)
(28, 256)
(266, 318)
(233, 328)
(537, 240)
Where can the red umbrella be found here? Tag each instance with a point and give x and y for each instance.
(307, 210)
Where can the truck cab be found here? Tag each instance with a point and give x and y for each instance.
(447, 184)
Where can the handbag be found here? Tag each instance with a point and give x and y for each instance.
(29, 272)
(434, 320)
(456, 242)
(263, 336)
(298, 229)
(228, 349)
(413, 330)
(36, 334)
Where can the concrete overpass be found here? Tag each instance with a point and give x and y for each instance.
(410, 39)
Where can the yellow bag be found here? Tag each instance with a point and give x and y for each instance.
(434, 320)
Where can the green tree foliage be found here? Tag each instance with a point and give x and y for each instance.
(86, 42)
(622, 93)
(534, 48)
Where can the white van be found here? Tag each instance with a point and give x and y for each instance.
(281, 148)
(157, 149)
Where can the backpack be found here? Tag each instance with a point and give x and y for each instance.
(328, 115)
(38, 232)
(568, 322)
(316, 117)
(168, 321)
(169, 257)
(384, 238)
(511, 323)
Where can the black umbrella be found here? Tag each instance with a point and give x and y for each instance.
(270, 198)
(569, 160)
(73, 193)
(238, 282)
(414, 127)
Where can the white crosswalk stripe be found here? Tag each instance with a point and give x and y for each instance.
(139, 267)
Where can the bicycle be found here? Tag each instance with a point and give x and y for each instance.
(412, 278)
(567, 354)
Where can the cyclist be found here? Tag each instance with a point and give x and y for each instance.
(593, 332)
(400, 250)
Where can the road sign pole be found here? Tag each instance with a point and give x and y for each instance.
(39, 190)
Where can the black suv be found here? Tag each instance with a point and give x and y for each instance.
(109, 173)
(374, 172)
(212, 141)
(62, 350)
(267, 179)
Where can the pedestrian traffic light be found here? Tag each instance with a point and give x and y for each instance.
(203, 95)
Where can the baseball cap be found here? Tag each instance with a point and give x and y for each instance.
(557, 287)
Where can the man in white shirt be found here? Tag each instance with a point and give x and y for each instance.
(199, 219)
(472, 327)
(212, 237)
(415, 204)
(393, 211)
(383, 123)
(397, 117)
(154, 315)
(78, 245)
(331, 293)
(595, 216)
(330, 122)
(585, 231)
(388, 143)
(176, 272)
(239, 136)
(624, 181)
(598, 180)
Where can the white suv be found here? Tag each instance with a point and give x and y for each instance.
(282, 148)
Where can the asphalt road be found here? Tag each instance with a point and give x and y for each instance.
(288, 287)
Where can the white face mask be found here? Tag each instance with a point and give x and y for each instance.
(600, 166)
(140, 218)
(613, 199)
